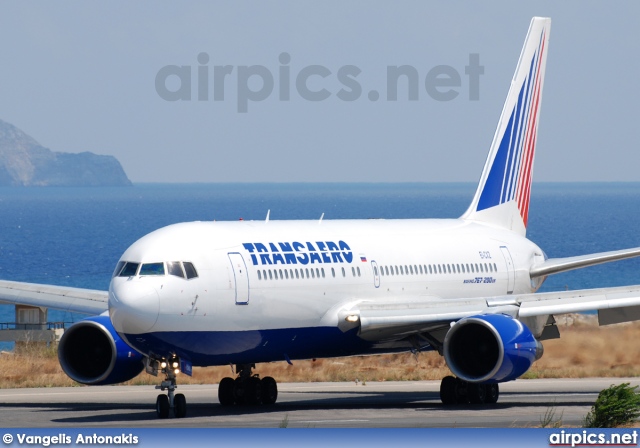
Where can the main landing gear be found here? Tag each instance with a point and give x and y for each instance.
(456, 391)
(247, 388)
(170, 401)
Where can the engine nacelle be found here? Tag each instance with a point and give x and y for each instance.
(490, 348)
(91, 352)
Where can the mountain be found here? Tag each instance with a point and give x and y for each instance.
(24, 162)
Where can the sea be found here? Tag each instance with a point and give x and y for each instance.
(75, 236)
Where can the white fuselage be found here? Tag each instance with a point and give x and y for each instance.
(261, 283)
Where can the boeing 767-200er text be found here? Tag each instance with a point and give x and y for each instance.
(241, 293)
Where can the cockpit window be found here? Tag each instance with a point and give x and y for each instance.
(129, 269)
(118, 269)
(152, 269)
(190, 270)
(175, 268)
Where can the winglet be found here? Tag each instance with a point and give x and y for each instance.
(502, 198)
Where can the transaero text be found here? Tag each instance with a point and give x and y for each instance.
(296, 252)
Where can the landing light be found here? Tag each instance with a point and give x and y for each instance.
(163, 365)
(176, 371)
(352, 318)
(174, 364)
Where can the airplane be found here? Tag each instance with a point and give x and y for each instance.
(247, 292)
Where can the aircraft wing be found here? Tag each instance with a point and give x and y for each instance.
(65, 298)
(430, 315)
(557, 265)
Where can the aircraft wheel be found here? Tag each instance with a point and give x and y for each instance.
(493, 392)
(179, 406)
(268, 390)
(462, 396)
(252, 390)
(239, 392)
(226, 392)
(477, 393)
(448, 387)
(162, 406)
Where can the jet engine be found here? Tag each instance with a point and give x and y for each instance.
(91, 352)
(490, 348)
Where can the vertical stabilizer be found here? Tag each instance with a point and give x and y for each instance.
(502, 198)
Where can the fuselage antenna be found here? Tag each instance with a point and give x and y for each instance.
(321, 216)
(268, 213)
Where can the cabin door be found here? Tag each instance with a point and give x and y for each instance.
(511, 275)
(240, 277)
(376, 274)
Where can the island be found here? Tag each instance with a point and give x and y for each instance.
(26, 163)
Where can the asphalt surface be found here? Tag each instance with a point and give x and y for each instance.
(522, 403)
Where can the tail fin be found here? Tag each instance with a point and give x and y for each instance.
(502, 198)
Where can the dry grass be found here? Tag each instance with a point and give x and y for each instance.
(584, 351)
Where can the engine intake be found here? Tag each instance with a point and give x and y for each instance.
(490, 348)
(91, 352)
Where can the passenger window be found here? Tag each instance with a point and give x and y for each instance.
(317, 272)
(343, 273)
(358, 269)
(190, 270)
(270, 275)
(259, 275)
(353, 271)
(175, 268)
(286, 274)
(152, 269)
(297, 274)
(333, 272)
(129, 269)
(322, 270)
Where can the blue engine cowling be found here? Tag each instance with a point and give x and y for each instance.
(91, 352)
(490, 348)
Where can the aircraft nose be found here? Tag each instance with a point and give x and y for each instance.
(133, 306)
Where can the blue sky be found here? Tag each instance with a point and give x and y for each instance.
(81, 76)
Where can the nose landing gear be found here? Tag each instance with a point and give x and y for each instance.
(170, 401)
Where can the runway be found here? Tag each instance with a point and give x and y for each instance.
(522, 403)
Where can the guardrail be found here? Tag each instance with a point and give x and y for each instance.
(42, 326)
